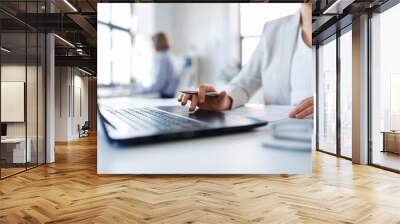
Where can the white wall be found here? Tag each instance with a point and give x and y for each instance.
(79, 117)
(69, 81)
(50, 93)
(15, 72)
(34, 125)
(61, 103)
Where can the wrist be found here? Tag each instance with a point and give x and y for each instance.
(228, 103)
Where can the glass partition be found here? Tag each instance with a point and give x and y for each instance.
(32, 98)
(346, 94)
(327, 96)
(22, 77)
(13, 111)
(41, 97)
(385, 89)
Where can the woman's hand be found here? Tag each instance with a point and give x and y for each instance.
(304, 109)
(214, 103)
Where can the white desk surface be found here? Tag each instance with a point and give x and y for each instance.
(241, 153)
(13, 140)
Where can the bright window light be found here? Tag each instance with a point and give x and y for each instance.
(253, 16)
(116, 41)
(395, 93)
(327, 96)
(104, 58)
(248, 46)
(121, 57)
(121, 14)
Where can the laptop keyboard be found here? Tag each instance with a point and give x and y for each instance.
(145, 119)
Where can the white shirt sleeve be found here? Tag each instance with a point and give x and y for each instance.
(246, 84)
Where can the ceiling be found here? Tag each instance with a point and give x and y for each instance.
(329, 16)
(74, 22)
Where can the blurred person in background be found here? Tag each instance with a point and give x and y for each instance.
(165, 80)
(281, 66)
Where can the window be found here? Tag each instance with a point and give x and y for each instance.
(124, 53)
(116, 32)
(334, 106)
(346, 94)
(121, 56)
(252, 19)
(327, 97)
(394, 101)
(103, 59)
(385, 89)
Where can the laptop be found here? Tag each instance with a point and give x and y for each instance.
(135, 125)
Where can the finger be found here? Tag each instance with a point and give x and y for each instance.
(305, 113)
(180, 98)
(302, 106)
(222, 95)
(202, 92)
(193, 103)
(306, 99)
(185, 98)
(292, 113)
(295, 111)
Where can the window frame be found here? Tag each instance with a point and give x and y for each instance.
(242, 37)
(39, 60)
(381, 9)
(343, 31)
(131, 34)
(334, 37)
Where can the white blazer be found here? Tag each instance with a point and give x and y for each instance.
(270, 64)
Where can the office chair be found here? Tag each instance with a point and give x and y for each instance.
(84, 130)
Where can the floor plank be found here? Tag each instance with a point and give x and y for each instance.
(70, 191)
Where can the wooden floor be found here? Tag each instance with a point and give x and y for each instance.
(5, 172)
(387, 159)
(70, 191)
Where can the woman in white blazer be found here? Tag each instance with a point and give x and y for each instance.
(281, 65)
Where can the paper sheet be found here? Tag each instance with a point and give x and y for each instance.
(268, 113)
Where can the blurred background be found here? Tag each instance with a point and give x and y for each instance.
(209, 43)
